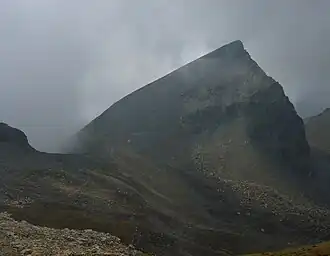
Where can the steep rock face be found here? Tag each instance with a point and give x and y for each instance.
(221, 109)
(317, 131)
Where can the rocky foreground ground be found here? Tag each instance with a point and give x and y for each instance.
(322, 249)
(22, 238)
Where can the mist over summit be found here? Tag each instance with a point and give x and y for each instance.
(63, 65)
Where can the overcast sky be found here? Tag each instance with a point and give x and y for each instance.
(63, 62)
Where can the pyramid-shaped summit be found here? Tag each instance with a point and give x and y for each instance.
(231, 49)
(222, 98)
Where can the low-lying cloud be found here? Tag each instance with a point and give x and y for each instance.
(64, 62)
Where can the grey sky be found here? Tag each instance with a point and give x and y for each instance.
(62, 62)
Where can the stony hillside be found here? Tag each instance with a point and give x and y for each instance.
(131, 199)
(22, 238)
(220, 118)
(204, 161)
(322, 249)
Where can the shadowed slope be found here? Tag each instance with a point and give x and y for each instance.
(204, 161)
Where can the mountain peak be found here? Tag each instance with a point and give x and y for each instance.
(327, 110)
(224, 92)
(232, 49)
(234, 45)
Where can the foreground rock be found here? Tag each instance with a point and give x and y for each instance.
(22, 238)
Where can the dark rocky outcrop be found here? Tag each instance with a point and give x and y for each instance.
(318, 131)
(10, 135)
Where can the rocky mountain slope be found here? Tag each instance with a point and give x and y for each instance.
(206, 115)
(69, 191)
(218, 130)
(22, 238)
(309, 250)
(12, 136)
(204, 161)
(195, 215)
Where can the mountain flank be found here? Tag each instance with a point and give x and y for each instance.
(205, 116)
(204, 161)
(218, 129)
(317, 131)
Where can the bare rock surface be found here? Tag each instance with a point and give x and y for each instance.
(23, 238)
